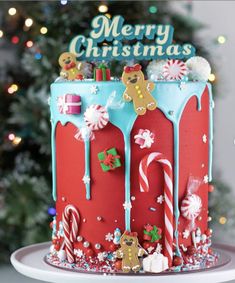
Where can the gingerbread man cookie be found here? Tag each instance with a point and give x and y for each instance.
(130, 252)
(138, 89)
(71, 69)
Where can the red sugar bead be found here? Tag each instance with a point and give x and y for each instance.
(177, 261)
(211, 188)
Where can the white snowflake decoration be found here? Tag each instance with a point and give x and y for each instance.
(109, 237)
(206, 179)
(78, 253)
(158, 248)
(127, 205)
(160, 199)
(204, 138)
(186, 234)
(100, 257)
(94, 89)
(150, 249)
(86, 179)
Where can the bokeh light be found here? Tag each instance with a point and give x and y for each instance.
(221, 39)
(28, 22)
(43, 30)
(212, 77)
(12, 11)
(153, 9)
(223, 220)
(103, 8)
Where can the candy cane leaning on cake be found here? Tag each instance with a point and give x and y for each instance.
(71, 219)
(168, 195)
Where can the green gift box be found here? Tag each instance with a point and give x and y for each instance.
(109, 159)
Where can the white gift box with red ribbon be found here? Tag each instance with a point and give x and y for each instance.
(144, 138)
(69, 104)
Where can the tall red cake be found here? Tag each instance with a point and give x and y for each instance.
(132, 159)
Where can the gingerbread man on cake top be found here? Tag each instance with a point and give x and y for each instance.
(71, 69)
(138, 89)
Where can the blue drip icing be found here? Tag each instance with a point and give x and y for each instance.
(171, 101)
(87, 168)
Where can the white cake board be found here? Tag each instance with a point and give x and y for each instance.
(30, 262)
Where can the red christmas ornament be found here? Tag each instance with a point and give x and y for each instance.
(89, 252)
(118, 264)
(113, 247)
(211, 188)
(191, 250)
(177, 261)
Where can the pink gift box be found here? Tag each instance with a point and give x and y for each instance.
(69, 104)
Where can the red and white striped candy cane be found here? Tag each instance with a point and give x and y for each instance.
(71, 219)
(168, 195)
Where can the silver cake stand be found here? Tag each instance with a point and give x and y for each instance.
(29, 261)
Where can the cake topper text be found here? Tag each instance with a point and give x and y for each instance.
(108, 41)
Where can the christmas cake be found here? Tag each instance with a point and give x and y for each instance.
(131, 157)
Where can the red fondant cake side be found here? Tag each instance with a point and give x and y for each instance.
(108, 188)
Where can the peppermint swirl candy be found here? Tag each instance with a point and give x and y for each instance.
(191, 206)
(96, 117)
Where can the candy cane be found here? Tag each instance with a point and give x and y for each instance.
(70, 220)
(168, 195)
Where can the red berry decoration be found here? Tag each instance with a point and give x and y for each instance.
(208, 232)
(211, 188)
(113, 247)
(57, 247)
(89, 252)
(118, 264)
(177, 261)
(191, 250)
(146, 245)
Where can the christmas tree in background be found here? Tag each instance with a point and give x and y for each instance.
(33, 35)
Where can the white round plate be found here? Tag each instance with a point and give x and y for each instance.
(30, 262)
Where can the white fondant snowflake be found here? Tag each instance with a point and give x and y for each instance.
(86, 179)
(127, 205)
(100, 257)
(150, 249)
(160, 199)
(204, 138)
(158, 248)
(186, 234)
(78, 252)
(94, 89)
(206, 179)
(109, 237)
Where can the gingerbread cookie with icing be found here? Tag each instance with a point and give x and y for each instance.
(138, 89)
(130, 252)
(71, 69)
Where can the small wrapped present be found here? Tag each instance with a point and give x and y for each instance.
(152, 233)
(144, 138)
(102, 73)
(69, 104)
(109, 159)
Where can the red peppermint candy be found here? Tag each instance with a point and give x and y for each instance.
(96, 117)
(174, 70)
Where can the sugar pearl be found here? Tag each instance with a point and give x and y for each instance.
(84, 220)
(98, 246)
(63, 198)
(79, 238)
(99, 218)
(133, 198)
(86, 244)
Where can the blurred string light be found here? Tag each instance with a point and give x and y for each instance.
(38, 56)
(12, 11)
(103, 8)
(12, 88)
(28, 22)
(222, 220)
(153, 9)
(43, 30)
(212, 77)
(29, 43)
(1, 33)
(221, 39)
(51, 211)
(63, 2)
(15, 39)
(11, 136)
(16, 140)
